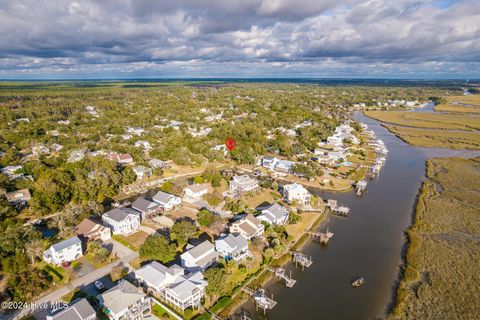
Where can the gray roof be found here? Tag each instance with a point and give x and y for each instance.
(235, 241)
(276, 210)
(163, 197)
(120, 297)
(79, 309)
(66, 243)
(119, 214)
(202, 248)
(143, 205)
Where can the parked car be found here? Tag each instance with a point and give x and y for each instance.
(99, 285)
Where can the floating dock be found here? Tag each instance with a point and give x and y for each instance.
(360, 187)
(261, 299)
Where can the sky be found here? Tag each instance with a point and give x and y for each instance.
(108, 39)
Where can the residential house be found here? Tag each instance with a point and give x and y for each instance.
(248, 226)
(202, 132)
(232, 246)
(167, 201)
(221, 147)
(200, 257)
(284, 166)
(195, 191)
(122, 220)
(56, 147)
(125, 301)
(64, 251)
(242, 184)
(136, 130)
(155, 163)
(269, 162)
(146, 207)
(142, 172)
(91, 231)
(79, 309)
(40, 149)
(274, 214)
(64, 122)
(19, 197)
(122, 158)
(296, 192)
(12, 172)
(76, 155)
(143, 144)
(174, 285)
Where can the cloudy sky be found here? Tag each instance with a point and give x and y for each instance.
(239, 38)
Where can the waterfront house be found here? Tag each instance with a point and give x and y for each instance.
(248, 226)
(196, 191)
(79, 309)
(19, 197)
(146, 207)
(173, 284)
(142, 172)
(125, 301)
(167, 201)
(122, 220)
(296, 192)
(199, 257)
(64, 251)
(242, 184)
(274, 214)
(91, 231)
(232, 246)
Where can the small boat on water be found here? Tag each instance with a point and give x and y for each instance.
(358, 282)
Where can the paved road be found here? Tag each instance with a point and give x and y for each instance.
(125, 256)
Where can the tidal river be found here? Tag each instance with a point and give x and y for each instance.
(368, 243)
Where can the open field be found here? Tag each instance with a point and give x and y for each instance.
(427, 120)
(441, 278)
(437, 138)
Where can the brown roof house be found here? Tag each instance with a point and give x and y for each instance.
(248, 226)
(19, 196)
(91, 230)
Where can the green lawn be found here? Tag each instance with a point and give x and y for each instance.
(160, 312)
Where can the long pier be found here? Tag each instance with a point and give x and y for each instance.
(281, 273)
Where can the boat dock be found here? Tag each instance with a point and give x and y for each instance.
(301, 259)
(322, 237)
(360, 187)
(261, 299)
(282, 274)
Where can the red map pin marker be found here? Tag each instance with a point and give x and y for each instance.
(230, 143)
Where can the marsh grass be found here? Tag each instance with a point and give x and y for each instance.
(441, 279)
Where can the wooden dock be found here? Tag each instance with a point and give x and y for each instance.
(322, 237)
(282, 274)
(261, 299)
(301, 259)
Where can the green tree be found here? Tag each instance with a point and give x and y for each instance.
(182, 231)
(216, 278)
(158, 248)
(205, 218)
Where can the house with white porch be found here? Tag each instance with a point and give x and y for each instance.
(64, 251)
(195, 191)
(274, 215)
(242, 184)
(173, 284)
(200, 257)
(232, 246)
(167, 201)
(296, 192)
(122, 220)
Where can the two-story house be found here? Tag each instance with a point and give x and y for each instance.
(274, 214)
(173, 284)
(91, 230)
(64, 251)
(122, 220)
(200, 257)
(296, 192)
(242, 184)
(146, 207)
(196, 191)
(79, 309)
(167, 201)
(248, 226)
(232, 246)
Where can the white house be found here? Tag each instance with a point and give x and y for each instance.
(125, 301)
(143, 144)
(242, 184)
(269, 162)
(142, 172)
(200, 257)
(64, 251)
(296, 192)
(274, 214)
(232, 246)
(18, 197)
(173, 284)
(196, 191)
(248, 226)
(284, 166)
(122, 220)
(11, 171)
(136, 130)
(156, 163)
(167, 201)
